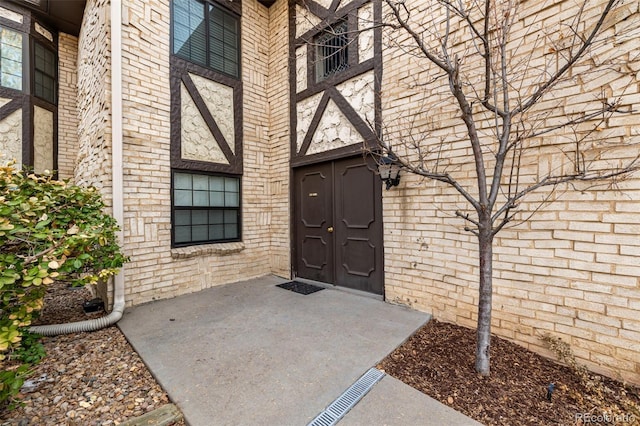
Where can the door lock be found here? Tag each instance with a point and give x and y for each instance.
(330, 229)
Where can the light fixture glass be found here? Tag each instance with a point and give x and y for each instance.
(389, 171)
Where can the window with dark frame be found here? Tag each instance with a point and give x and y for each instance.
(207, 35)
(206, 208)
(332, 51)
(44, 74)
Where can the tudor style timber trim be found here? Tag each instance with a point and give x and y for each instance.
(180, 70)
(328, 17)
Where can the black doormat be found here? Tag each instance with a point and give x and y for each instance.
(300, 287)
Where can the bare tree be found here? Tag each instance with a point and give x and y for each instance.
(502, 69)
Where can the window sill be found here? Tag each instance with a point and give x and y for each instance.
(220, 249)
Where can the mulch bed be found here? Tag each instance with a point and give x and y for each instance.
(439, 359)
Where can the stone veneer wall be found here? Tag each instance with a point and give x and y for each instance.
(571, 271)
(156, 271)
(93, 161)
(67, 104)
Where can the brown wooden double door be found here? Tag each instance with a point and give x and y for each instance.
(338, 224)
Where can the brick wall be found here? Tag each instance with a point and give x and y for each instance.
(572, 270)
(279, 139)
(67, 104)
(156, 271)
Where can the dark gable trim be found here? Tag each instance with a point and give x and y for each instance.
(334, 154)
(354, 118)
(14, 104)
(335, 80)
(180, 70)
(315, 8)
(347, 110)
(327, 19)
(313, 126)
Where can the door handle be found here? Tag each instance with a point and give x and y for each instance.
(330, 229)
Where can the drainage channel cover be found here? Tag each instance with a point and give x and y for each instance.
(348, 399)
(300, 287)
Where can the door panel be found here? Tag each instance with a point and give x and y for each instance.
(314, 215)
(358, 209)
(338, 224)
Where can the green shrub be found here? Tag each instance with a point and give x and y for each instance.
(49, 230)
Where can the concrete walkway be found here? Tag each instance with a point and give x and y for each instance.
(251, 353)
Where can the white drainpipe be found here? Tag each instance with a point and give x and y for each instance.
(117, 185)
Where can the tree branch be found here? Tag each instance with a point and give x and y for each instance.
(570, 62)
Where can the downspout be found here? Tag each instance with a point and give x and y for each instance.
(117, 186)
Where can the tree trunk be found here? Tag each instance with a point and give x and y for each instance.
(483, 343)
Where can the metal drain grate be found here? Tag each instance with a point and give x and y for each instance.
(348, 399)
(300, 287)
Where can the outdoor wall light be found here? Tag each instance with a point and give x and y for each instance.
(389, 170)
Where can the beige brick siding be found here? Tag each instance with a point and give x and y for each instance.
(156, 271)
(573, 269)
(67, 104)
(279, 139)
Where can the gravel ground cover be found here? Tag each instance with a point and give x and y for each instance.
(86, 378)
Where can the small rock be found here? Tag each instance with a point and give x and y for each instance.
(71, 414)
(57, 399)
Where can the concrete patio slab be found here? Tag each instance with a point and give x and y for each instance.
(251, 353)
(393, 403)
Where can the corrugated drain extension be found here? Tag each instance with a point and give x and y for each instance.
(348, 399)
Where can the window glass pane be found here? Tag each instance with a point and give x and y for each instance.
(44, 87)
(182, 181)
(201, 182)
(189, 40)
(10, 59)
(231, 199)
(183, 217)
(230, 216)
(223, 41)
(231, 231)
(216, 217)
(216, 232)
(199, 217)
(200, 233)
(45, 74)
(182, 234)
(182, 198)
(216, 183)
(216, 199)
(201, 198)
(231, 184)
